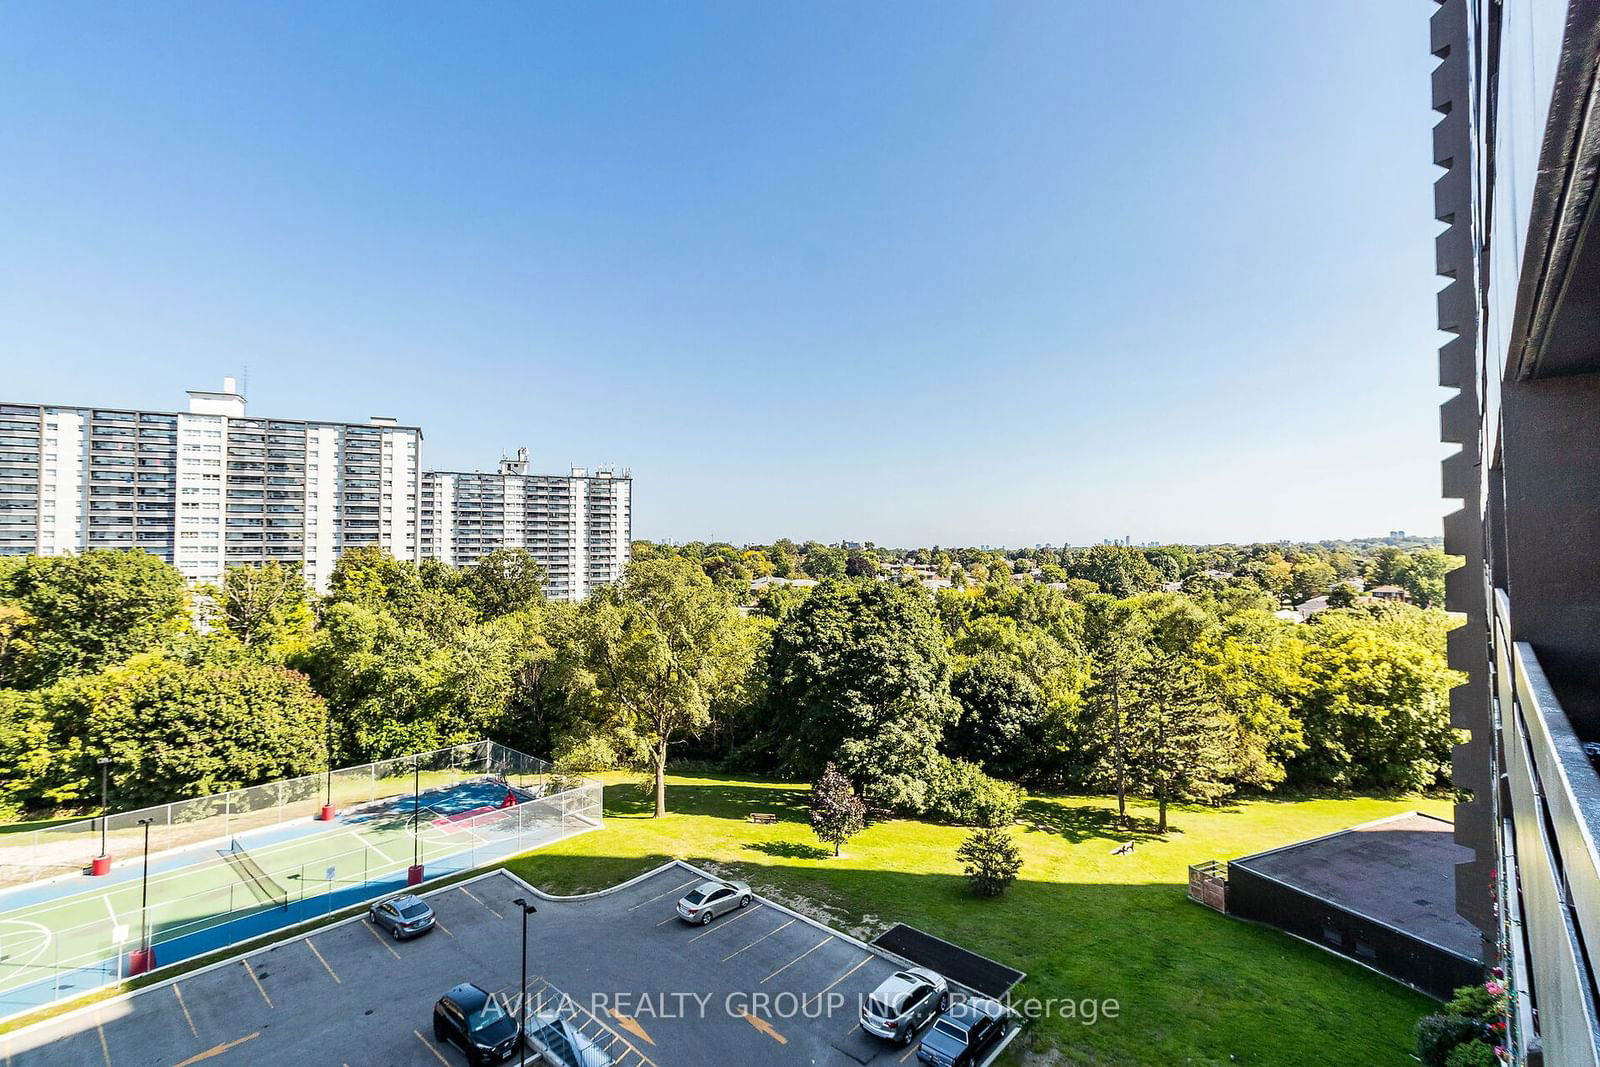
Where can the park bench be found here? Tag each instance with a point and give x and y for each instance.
(1123, 849)
(762, 816)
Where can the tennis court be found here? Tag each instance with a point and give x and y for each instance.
(61, 938)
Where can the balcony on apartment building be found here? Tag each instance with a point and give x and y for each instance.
(1550, 887)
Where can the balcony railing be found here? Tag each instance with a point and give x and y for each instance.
(1551, 885)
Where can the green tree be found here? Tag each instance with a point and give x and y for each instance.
(26, 751)
(1116, 569)
(991, 859)
(1377, 707)
(1272, 572)
(1342, 595)
(1254, 666)
(541, 649)
(664, 646)
(75, 615)
(174, 730)
(837, 814)
(1177, 734)
(1113, 633)
(1001, 720)
(396, 687)
(370, 576)
(859, 674)
(1384, 566)
(785, 558)
(1309, 578)
(506, 580)
(1421, 574)
(822, 561)
(266, 606)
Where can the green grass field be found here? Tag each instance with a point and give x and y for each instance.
(1194, 987)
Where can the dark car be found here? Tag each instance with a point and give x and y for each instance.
(476, 1023)
(403, 916)
(964, 1034)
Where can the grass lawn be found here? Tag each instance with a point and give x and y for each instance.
(1193, 987)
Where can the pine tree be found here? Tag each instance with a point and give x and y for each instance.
(1113, 633)
(837, 814)
(1177, 733)
(991, 859)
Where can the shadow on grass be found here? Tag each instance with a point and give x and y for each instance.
(790, 850)
(1077, 824)
(630, 800)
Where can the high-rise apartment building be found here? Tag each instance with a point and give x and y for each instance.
(577, 525)
(1518, 88)
(206, 488)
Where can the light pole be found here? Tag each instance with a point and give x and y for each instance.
(143, 961)
(414, 875)
(102, 862)
(527, 910)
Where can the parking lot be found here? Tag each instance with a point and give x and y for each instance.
(759, 985)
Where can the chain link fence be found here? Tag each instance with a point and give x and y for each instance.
(70, 848)
(292, 879)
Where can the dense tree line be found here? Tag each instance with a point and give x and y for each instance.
(1137, 672)
(1291, 573)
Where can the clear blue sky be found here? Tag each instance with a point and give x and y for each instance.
(910, 273)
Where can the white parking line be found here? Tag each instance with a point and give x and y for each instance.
(825, 989)
(723, 926)
(486, 907)
(658, 896)
(760, 939)
(797, 959)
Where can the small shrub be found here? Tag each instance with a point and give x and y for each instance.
(991, 859)
(1438, 1034)
(1472, 1054)
(1484, 1002)
(961, 793)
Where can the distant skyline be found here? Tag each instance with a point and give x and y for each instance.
(1003, 274)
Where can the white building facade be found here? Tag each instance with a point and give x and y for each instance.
(578, 525)
(207, 488)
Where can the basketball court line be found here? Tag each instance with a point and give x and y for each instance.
(46, 936)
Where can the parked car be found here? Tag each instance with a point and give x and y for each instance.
(403, 916)
(904, 1001)
(565, 1043)
(475, 1022)
(709, 899)
(964, 1034)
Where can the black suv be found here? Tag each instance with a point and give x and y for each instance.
(472, 1019)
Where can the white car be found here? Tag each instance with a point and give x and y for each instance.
(709, 899)
(903, 1002)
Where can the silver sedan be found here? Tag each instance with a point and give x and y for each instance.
(709, 899)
